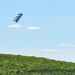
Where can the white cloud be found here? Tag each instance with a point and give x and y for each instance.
(50, 50)
(64, 45)
(14, 26)
(33, 28)
(67, 45)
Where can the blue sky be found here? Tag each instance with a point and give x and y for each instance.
(46, 29)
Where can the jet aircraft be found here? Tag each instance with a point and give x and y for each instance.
(18, 17)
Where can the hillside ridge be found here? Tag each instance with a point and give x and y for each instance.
(31, 65)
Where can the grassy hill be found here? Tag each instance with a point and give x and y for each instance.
(30, 65)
